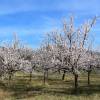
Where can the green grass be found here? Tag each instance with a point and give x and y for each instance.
(20, 88)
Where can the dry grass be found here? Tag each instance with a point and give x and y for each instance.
(55, 89)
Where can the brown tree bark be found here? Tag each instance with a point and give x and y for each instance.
(76, 81)
(30, 76)
(89, 72)
(44, 77)
(63, 77)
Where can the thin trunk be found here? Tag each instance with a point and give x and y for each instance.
(63, 77)
(76, 82)
(30, 76)
(89, 72)
(44, 78)
(46, 74)
(59, 71)
(89, 77)
(10, 77)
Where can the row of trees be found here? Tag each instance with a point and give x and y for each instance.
(66, 50)
(69, 50)
(15, 57)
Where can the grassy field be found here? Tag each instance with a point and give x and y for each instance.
(55, 89)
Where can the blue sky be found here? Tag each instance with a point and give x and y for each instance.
(31, 19)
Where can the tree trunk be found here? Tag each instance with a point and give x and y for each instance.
(10, 76)
(44, 77)
(59, 71)
(89, 72)
(30, 76)
(63, 77)
(89, 77)
(46, 74)
(76, 81)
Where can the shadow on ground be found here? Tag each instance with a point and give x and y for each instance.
(22, 88)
